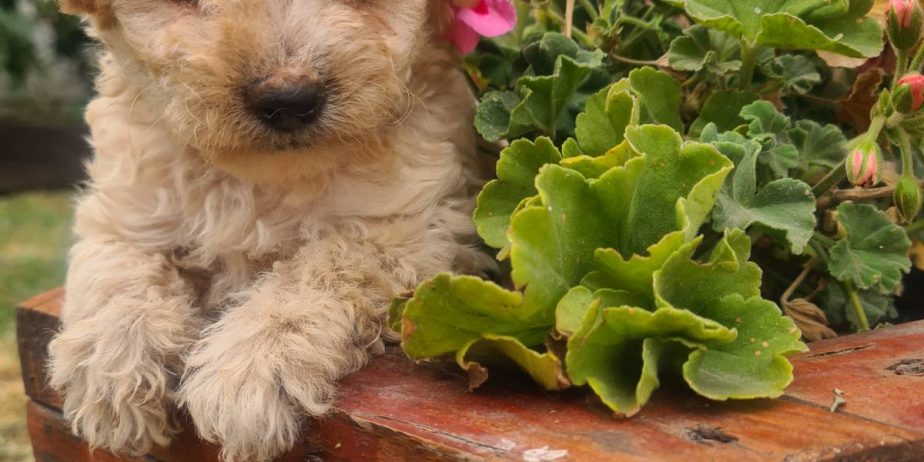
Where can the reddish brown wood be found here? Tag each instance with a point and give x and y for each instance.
(394, 411)
(51, 442)
(859, 365)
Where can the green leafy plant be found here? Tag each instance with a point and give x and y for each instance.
(667, 172)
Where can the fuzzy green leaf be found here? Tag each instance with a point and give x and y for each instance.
(659, 97)
(874, 252)
(723, 108)
(448, 312)
(636, 274)
(685, 283)
(672, 187)
(794, 73)
(821, 146)
(704, 48)
(754, 365)
(516, 172)
(786, 205)
(839, 26)
(602, 125)
(768, 127)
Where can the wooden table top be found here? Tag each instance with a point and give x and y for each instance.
(394, 410)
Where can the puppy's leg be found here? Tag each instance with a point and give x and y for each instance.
(127, 318)
(276, 356)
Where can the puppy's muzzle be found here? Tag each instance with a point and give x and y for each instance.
(285, 106)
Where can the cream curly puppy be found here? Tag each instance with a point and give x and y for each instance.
(268, 174)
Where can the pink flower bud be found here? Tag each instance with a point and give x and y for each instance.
(864, 164)
(915, 83)
(904, 23)
(903, 10)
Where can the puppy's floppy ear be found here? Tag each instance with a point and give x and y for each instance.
(99, 10)
(440, 16)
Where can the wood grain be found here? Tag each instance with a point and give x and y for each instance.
(394, 410)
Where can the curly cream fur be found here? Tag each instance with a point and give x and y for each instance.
(240, 272)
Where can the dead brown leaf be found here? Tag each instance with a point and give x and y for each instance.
(854, 108)
(810, 319)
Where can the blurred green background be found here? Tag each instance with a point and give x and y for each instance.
(45, 74)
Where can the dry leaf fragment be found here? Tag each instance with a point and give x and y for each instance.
(810, 319)
(854, 109)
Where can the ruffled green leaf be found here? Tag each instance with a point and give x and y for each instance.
(820, 147)
(516, 172)
(839, 26)
(545, 368)
(770, 128)
(685, 283)
(786, 205)
(703, 48)
(636, 274)
(617, 350)
(754, 365)
(873, 252)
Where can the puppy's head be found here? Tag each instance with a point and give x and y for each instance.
(254, 77)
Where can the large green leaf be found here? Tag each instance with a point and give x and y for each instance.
(685, 283)
(659, 97)
(819, 145)
(636, 274)
(447, 313)
(839, 26)
(874, 251)
(754, 365)
(617, 350)
(671, 187)
(552, 246)
(516, 172)
(603, 123)
(794, 73)
(786, 205)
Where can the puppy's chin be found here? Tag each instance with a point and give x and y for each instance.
(305, 169)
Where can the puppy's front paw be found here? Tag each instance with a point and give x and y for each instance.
(241, 408)
(114, 392)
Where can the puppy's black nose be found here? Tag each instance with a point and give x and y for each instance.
(285, 108)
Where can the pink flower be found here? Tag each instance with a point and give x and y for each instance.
(476, 18)
(915, 84)
(903, 9)
(863, 165)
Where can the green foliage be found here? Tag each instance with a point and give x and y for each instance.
(629, 200)
(839, 26)
(601, 246)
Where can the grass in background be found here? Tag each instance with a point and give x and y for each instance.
(34, 238)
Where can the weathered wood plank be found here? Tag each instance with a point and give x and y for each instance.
(52, 442)
(881, 373)
(394, 410)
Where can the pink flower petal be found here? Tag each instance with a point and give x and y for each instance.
(463, 37)
(490, 18)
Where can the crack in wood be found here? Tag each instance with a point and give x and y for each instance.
(843, 351)
(495, 449)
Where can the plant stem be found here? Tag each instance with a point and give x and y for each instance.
(905, 147)
(857, 306)
(569, 17)
(748, 62)
(835, 176)
(918, 58)
(784, 299)
(901, 65)
(914, 227)
(590, 9)
(824, 240)
(636, 62)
